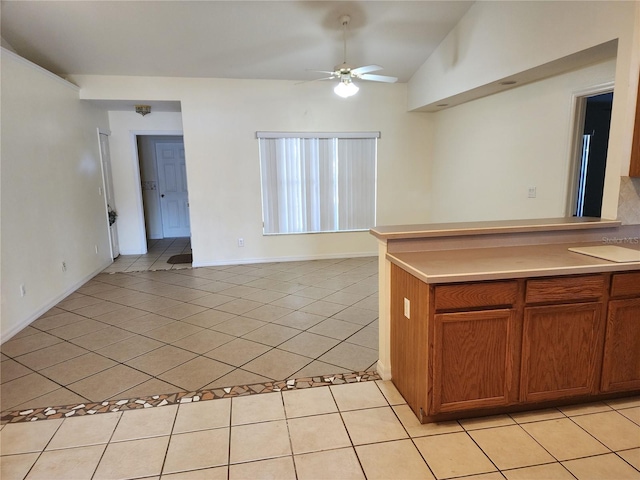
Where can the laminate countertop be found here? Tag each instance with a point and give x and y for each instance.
(457, 229)
(478, 264)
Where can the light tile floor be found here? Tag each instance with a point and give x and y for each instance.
(158, 252)
(143, 333)
(353, 431)
(136, 334)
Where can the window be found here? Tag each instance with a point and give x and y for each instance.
(318, 182)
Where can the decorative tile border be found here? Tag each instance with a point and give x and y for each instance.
(93, 408)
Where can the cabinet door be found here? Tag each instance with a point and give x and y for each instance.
(561, 347)
(473, 358)
(621, 362)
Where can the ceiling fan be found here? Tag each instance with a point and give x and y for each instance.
(346, 73)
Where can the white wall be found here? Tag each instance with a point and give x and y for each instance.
(126, 171)
(220, 118)
(495, 40)
(52, 210)
(488, 152)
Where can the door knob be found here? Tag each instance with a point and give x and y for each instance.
(162, 195)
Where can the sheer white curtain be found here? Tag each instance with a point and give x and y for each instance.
(312, 184)
(356, 184)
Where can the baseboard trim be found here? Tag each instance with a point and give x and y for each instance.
(301, 258)
(52, 303)
(383, 370)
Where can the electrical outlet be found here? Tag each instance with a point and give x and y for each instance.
(407, 308)
(241, 242)
(23, 290)
(64, 266)
(531, 192)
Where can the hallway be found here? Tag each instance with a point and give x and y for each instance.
(158, 252)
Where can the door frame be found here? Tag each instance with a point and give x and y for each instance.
(136, 172)
(578, 112)
(107, 133)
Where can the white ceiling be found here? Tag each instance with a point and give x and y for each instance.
(225, 39)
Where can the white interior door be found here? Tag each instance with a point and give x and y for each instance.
(172, 188)
(107, 182)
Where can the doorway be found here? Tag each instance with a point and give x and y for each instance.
(165, 195)
(593, 140)
(172, 188)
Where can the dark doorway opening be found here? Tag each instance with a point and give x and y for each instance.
(593, 161)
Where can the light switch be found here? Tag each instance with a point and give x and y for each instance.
(407, 308)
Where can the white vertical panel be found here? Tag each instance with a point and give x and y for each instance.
(356, 183)
(317, 184)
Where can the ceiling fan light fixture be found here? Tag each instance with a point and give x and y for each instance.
(345, 73)
(346, 88)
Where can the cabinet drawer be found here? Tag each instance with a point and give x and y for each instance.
(470, 295)
(584, 287)
(625, 284)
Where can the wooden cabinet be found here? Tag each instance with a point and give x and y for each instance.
(474, 336)
(562, 332)
(625, 285)
(458, 348)
(621, 360)
(559, 351)
(467, 348)
(473, 360)
(572, 288)
(409, 336)
(465, 296)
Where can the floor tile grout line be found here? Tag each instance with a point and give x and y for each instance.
(617, 453)
(166, 453)
(594, 456)
(353, 447)
(154, 376)
(118, 326)
(94, 351)
(556, 462)
(51, 380)
(409, 437)
(389, 404)
(543, 447)
(286, 420)
(113, 432)
(41, 452)
(631, 420)
(304, 286)
(179, 396)
(589, 433)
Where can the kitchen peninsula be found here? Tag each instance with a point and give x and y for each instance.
(487, 317)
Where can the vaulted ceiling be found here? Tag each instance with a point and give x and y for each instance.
(225, 39)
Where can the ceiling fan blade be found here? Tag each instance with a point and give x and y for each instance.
(316, 79)
(366, 69)
(321, 71)
(379, 78)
